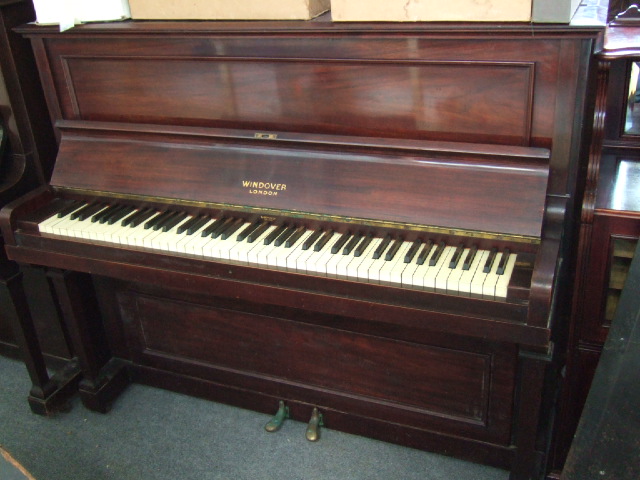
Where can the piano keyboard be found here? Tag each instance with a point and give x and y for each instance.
(391, 261)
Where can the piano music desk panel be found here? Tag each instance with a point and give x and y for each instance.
(367, 220)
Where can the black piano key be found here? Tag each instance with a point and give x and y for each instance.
(111, 213)
(72, 207)
(412, 251)
(455, 259)
(275, 233)
(285, 235)
(214, 226)
(503, 261)
(382, 247)
(140, 217)
(424, 253)
(84, 214)
(196, 219)
(393, 249)
(173, 221)
(223, 227)
(233, 228)
(437, 254)
(247, 231)
(95, 218)
(351, 244)
(120, 214)
(308, 243)
(323, 241)
(471, 255)
(253, 236)
(91, 208)
(200, 222)
(340, 243)
(295, 237)
(363, 245)
(78, 212)
(490, 259)
(160, 220)
(155, 220)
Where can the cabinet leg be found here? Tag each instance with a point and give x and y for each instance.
(104, 377)
(48, 394)
(529, 460)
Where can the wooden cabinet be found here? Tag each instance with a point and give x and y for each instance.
(610, 218)
(26, 162)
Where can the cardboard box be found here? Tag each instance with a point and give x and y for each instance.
(554, 11)
(227, 9)
(559, 11)
(431, 10)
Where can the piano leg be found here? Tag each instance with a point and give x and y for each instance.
(48, 394)
(103, 377)
(528, 462)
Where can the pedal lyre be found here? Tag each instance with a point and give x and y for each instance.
(276, 422)
(313, 429)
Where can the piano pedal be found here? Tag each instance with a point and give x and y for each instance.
(313, 429)
(276, 422)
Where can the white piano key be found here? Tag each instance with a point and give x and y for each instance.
(353, 269)
(489, 284)
(478, 278)
(170, 237)
(417, 279)
(112, 235)
(317, 262)
(453, 281)
(278, 256)
(183, 245)
(301, 260)
(196, 244)
(343, 264)
(389, 273)
(429, 280)
(253, 254)
(443, 275)
(502, 284)
(466, 279)
(296, 252)
(280, 259)
(362, 272)
(46, 226)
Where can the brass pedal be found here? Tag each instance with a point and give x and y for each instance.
(313, 429)
(276, 422)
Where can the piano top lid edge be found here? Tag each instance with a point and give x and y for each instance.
(321, 217)
(322, 24)
(305, 140)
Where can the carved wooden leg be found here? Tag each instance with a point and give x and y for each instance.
(47, 394)
(529, 459)
(103, 376)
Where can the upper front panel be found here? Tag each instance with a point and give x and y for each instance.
(484, 91)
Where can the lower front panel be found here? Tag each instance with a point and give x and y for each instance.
(450, 391)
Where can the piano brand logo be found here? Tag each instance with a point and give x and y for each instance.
(264, 188)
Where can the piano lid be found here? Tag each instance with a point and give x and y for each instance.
(479, 188)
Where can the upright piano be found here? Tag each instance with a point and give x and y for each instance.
(361, 226)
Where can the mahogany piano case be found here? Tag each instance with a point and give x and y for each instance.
(431, 147)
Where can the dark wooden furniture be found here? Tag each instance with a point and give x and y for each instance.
(451, 133)
(607, 441)
(26, 163)
(610, 221)
(28, 321)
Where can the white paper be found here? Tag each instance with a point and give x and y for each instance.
(68, 13)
